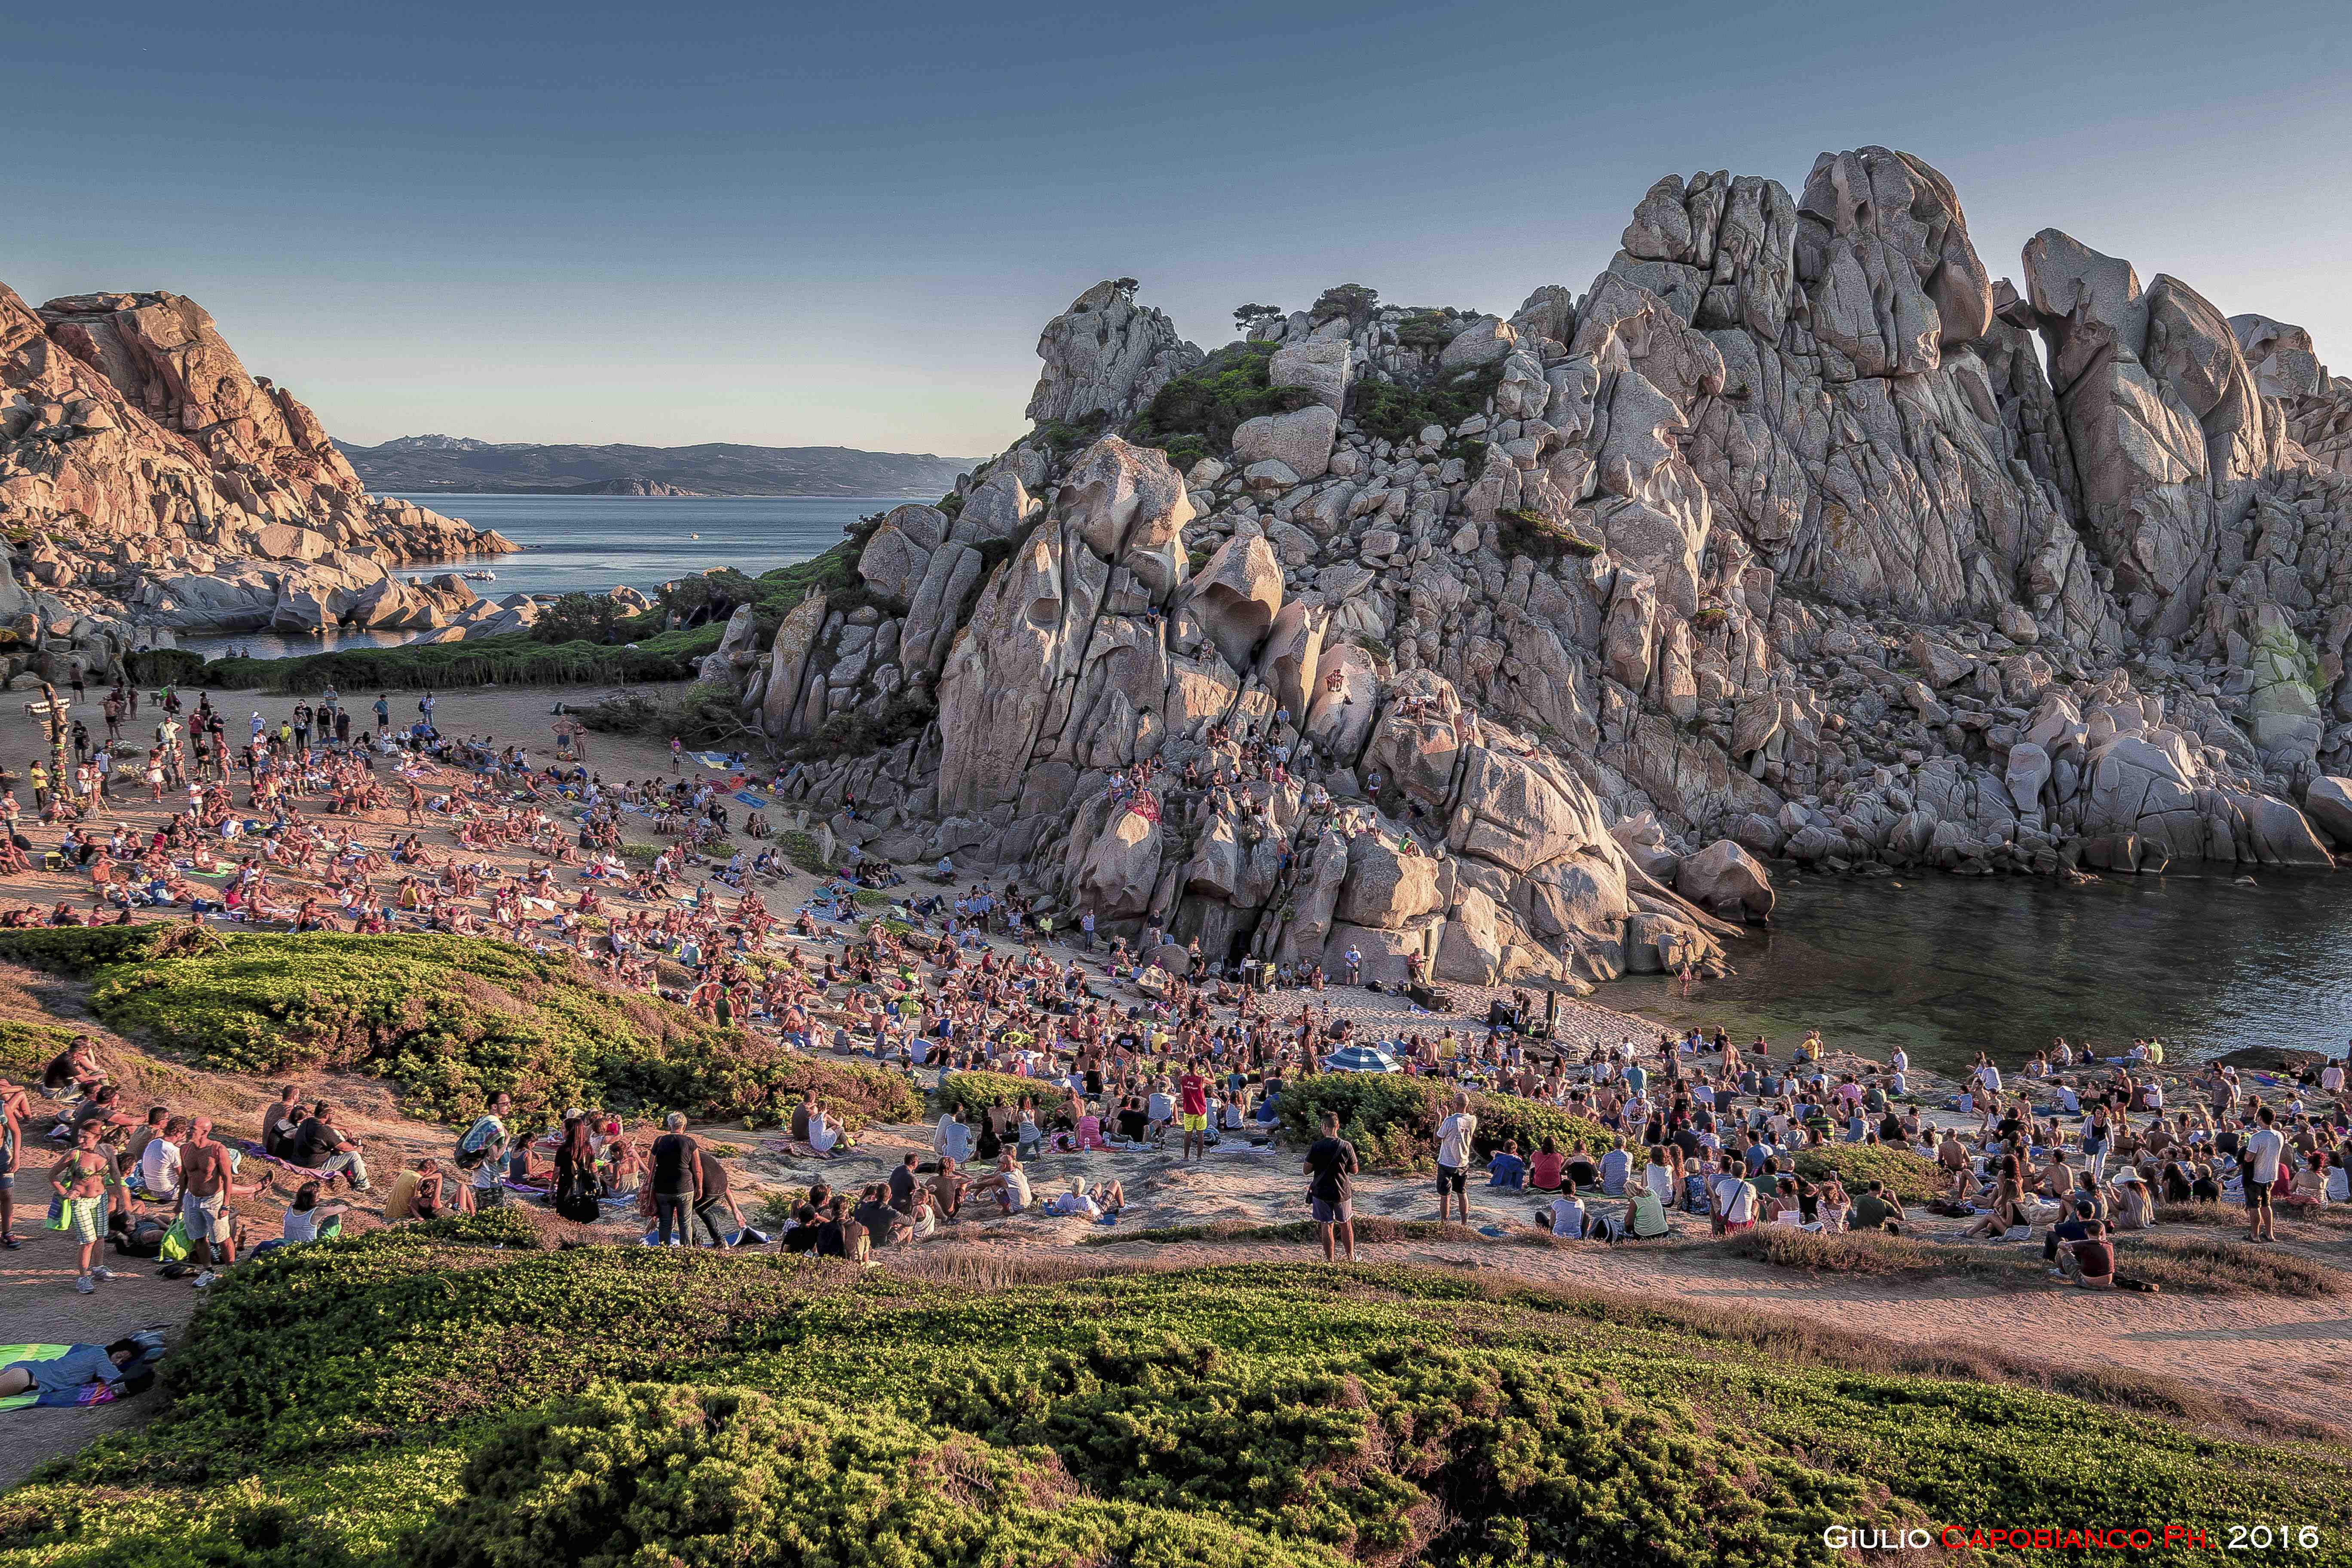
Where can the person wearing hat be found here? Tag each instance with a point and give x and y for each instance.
(2134, 1209)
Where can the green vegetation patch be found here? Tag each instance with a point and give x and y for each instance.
(1194, 416)
(975, 1093)
(1395, 412)
(511, 659)
(404, 1399)
(450, 1020)
(1392, 1119)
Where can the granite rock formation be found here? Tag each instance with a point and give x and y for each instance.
(1777, 543)
(153, 486)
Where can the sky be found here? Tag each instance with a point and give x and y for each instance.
(796, 224)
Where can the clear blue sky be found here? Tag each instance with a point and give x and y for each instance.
(802, 225)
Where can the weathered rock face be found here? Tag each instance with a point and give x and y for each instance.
(166, 488)
(1106, 353)
(1778, 540)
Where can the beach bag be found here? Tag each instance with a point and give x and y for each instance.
(173, 1249)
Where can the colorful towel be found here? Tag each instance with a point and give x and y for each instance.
(747, 798)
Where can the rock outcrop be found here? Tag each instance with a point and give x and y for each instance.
(159, 488)
(1777, 543)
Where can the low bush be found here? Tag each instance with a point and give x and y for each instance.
(1195, 416)
(402, 1399)
(511, 659)
(974, 1092)
(1395, 412)
(1392, 1119)
(450, 1020)
(1912, 1177)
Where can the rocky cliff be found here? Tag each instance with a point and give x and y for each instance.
(148, 484)
(1796, 534)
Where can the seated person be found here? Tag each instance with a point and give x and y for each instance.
(1546, 1169)
(2090, 1262)
(1507, 1169)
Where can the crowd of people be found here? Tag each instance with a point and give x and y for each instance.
(1148, 1047)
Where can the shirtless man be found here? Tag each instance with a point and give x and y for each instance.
(206, 1185)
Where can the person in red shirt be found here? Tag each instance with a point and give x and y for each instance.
(1192, 1110)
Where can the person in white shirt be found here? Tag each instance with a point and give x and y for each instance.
(1567, 1216)
(2260, 1160)
(953, 1137)
(159, 1163)
(1454, 1154)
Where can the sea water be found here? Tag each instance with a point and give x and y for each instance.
(592, 544)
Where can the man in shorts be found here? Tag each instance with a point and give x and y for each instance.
(1453, 1155)
(1193, 1111)
(207, 1184)
(1330, 1188)
(2260, 1159)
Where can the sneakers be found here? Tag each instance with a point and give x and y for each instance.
(206, 1280)
(86, 1285)
(102, 1272)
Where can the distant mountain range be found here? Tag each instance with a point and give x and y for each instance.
(414, 464)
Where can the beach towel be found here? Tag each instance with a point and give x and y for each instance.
(747, 798)
(89, 1394)
(713, 760)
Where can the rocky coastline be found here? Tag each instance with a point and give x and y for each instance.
(150, 487)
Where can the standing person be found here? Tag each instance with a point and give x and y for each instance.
(425, 705)
(87, 1181)
(1330, 1189)
(13, 1106)
(715, 1204)
(677, 1181)
(1453, 1152)
(208, 1182)
(382, 713)
(576, 1182)
(2261, 1159)
(1193, 1108)
(481, 1154)
(676, 753)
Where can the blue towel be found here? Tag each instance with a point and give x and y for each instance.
(747, 798)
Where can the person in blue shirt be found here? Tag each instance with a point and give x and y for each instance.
(1507, 1169)
(59, 1380)
(1637, 1077)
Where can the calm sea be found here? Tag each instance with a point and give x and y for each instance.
(1953, 965)
(595, 544)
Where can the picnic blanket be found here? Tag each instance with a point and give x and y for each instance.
(713, 760)
(747, 798)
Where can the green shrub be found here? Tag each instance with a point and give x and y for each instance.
(1911, 1177)
(512, 659)
(448, 1019)
(975, 1093)
(1194, 416)
(26, 1049)
(394, 1398)
(1395, 412)
(164, 666)
(708, 1475)
(1392, 1119)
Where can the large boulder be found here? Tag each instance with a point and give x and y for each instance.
(1120, 866)
(1728, 882)
(1299, 440)
(1386, 888)
(1470, 949)
(1236, 596)
(1320, 368)
(1106, 354)
(2329, 803)
(787, 666)
(899, 552)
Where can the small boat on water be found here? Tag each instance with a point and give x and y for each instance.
(481, 576)
(694, 536)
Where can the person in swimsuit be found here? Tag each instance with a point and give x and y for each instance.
(89, 1183)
